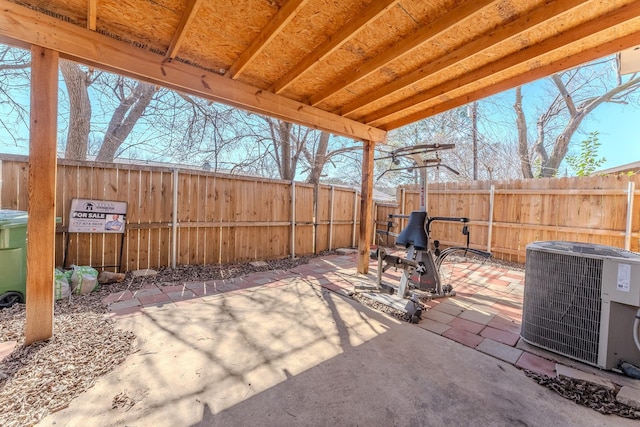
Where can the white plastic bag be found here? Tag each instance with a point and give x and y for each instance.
(61, 285)
(84, 280)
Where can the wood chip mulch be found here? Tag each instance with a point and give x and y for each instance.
(44, 377)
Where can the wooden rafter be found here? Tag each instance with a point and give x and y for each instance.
(19, 24)
(373, 12)
(568, 62)
(404, 47)
(622, 14)
(481, 44)
(181, 31)
(92, 13)
(286, 13)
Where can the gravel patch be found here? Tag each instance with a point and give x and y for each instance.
(376, 305)
(584, 393)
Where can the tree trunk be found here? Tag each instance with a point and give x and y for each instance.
(124, 119)
(319, 160)
(77, 84)
(523, 143)
(284, 134)
(561, 146)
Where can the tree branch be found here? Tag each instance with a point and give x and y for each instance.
(565, 94)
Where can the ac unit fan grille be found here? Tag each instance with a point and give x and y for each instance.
(562, 304)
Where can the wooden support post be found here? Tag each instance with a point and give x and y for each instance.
(365, 207)
(42, 194)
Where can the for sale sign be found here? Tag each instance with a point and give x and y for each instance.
(97, 216)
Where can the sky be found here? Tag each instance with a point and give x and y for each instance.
(618, 128)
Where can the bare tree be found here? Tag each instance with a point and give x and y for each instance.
(577, 93)
(14, 77)
(318, 152)
(77, 81)
(274, 147)
(199, 130)
(451, 127)
(134, 99)
(287, 145)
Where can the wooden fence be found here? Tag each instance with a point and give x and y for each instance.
(218, 218)
(507, 215)
(225, 218)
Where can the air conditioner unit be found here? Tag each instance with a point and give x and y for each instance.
(581, 300)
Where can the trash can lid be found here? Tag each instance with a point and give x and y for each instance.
(8, 217)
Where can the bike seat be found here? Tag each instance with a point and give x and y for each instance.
(414, 233)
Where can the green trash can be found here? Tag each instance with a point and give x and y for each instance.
(13, 257)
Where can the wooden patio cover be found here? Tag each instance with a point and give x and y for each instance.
(356, 68)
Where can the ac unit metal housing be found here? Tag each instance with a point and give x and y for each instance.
(580, 301)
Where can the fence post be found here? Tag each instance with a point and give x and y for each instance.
(174, 221)
(374, 216)
(355, 218)
(316, 222)
(402, 198)
(293, 219)
(331, 218)
(492, 193)
(630, 196)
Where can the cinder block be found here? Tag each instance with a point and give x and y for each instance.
(147, 272)
(566, 371)
(629, 396)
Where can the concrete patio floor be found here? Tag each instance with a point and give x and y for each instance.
(288, 348)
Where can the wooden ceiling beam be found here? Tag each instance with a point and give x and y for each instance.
(582, 57)
(284, 15)
(181, 31)
(586, 29)
(503, 33)
(333, 42)
(404, 47)
(19, 25)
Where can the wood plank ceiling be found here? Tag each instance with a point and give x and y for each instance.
(352, 67)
